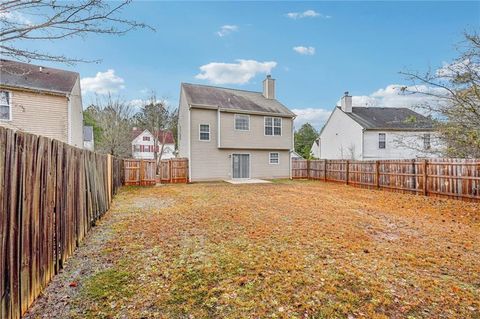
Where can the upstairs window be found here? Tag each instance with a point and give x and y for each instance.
(382, 140)
(146, 138)
(427, 141)
(273, 126)
(242, 122)
(274, 158)
(204, 132)
(5, 107)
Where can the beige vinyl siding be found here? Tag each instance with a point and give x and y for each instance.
(183, 127)
(210, 163)
(254, 138)
(39, 113)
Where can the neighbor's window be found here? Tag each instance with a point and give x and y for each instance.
(273, 126)
(426, 141)
(136, 148)
(274, 158)
(204, 132)
(146, 138)
(242, 122)
(382, 140)
(5, 105)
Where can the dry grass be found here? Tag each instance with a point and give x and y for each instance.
(287, 250)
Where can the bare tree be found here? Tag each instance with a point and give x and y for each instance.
(453, 93)
(22, 21)
(156, 116)
(114, 117)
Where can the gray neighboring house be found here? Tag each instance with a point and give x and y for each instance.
(41, 100)
(234, 134)
(88, 140)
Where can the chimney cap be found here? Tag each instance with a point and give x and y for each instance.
(269, 76)
(346, 93)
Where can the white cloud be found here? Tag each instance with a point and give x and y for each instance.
(234, 73)
(226, 30)
(304, 50)
(316, 117)
(103, 83)
(306, 14)
(15, 17)
(396, 95)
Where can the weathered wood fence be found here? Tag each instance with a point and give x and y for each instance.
(51, 194)
(454, 178)
(174, 170)
(140, 172)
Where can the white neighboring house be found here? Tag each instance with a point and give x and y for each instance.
(315, 150)
(143, 144)
(371, 133)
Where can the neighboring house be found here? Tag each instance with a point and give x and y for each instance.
(88, 140)
(295, 156)
(229, 134)
(143, 144)
(315, 150)
(368, 133)
(41, 100)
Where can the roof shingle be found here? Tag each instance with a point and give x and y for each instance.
(29, 76)
(232, 99)
(390, 118)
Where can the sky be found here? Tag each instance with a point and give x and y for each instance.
(315, 50)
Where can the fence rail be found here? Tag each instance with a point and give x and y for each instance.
(454, 178)
(51, 194)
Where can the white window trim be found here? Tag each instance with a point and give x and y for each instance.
(270, 158)
(199, 132)
(378, 144)
(273, 125)
(10, 106)
(235, 122)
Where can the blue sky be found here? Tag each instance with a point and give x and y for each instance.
(354, 46)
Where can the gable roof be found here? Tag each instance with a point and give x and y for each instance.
(233, 100)
(390, 118)
(167, 135)
(34, 77)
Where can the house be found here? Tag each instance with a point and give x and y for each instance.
(232, 134)
(295, 156)
(41, 100)
(143, 144)
(88, 139)
(315, 149)
(370, 133)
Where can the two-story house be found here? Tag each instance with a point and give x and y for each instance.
(143, 144)
(41, 100)
(234, 134)
(371, 133)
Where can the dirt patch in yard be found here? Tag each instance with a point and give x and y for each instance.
(299, 249)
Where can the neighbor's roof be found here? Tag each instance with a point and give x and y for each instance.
(232, 99)
(167, 135)
(390, 118)
(35, 77)
(88, 133)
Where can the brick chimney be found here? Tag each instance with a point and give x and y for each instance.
(269, 87)
(347, 103)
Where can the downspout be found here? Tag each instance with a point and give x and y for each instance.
(363, 142)
(69, 120)
(218, 128)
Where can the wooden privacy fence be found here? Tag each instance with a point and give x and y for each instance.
(454, 178)
(140, 172)
(174, 170)
(51, 194)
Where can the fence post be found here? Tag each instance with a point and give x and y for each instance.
(170, 171)
(377, 174)
(347, 171)
(308, 169)
(425, 177)
(325, 170)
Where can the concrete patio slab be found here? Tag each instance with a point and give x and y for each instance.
(247, 181)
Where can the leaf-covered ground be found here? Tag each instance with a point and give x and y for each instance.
(300, 249)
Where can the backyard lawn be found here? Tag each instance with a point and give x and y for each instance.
(301, 249)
